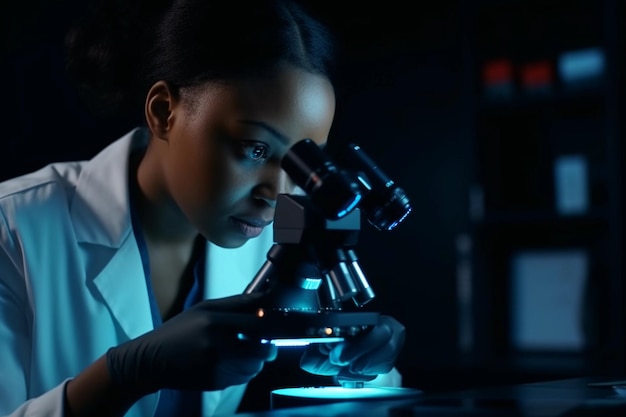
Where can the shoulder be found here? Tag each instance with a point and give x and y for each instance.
(68, 192)
(37, 188)
(58, 184)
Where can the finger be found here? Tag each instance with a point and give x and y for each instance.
(325, 348)
(353, 348)
(345, 375)
(255, 349)
(242, 362)
(241, 303)
(316, 362)
(379, 361)
(236, 371)
(383, 359)
(389, 332)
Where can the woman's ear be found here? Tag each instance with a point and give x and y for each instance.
(160, 102)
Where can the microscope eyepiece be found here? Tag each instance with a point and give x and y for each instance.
(337, 191)
(333, 191)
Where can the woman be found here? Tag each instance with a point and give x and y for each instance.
(113, 271)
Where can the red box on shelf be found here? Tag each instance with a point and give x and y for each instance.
(498, 78)
(537, 76)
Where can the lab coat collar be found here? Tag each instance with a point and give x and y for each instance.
(124, 289)
(100, 210)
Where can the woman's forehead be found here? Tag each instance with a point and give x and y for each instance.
(290, 103)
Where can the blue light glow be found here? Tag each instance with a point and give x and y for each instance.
(341, 393)
(311, 283)
(394, 224)
(350, 207)
(303, 341)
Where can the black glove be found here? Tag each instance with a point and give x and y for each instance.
(360, 358)
(196, 350)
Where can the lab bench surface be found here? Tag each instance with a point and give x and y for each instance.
(575, 397)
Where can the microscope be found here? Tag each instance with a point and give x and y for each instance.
(312, 269)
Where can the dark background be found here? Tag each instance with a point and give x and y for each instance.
(411, 93)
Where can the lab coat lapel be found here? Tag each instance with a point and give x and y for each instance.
(101, 216)
(123, 288)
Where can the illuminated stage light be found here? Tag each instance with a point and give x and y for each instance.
(303, 396)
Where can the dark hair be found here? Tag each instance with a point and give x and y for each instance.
(123, 47)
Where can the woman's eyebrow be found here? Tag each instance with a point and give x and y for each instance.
(282, 138)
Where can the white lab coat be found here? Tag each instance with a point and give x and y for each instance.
(72, 283)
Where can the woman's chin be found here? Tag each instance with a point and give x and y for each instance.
(232, 241)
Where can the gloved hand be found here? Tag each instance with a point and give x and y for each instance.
(198, 350)
(361, 358)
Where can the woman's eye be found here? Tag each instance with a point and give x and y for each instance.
(254, 151)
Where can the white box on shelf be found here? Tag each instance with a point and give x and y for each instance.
(571, 184)
(547, 300)
(581, 67)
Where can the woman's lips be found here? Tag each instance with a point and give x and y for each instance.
(249, 227)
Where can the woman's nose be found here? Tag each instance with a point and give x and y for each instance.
(268, 190)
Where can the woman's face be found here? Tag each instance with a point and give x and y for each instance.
(221, 164)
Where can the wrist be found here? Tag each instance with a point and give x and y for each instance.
(94, 393)
(124, 375)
